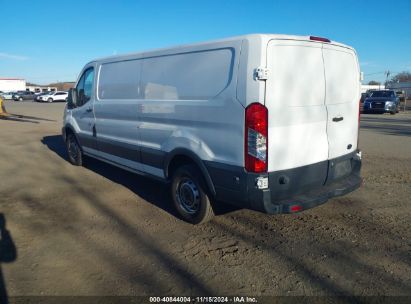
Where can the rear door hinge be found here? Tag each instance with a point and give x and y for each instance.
(262, 73)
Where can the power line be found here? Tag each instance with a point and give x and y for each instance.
(374, 73)
(383, 72)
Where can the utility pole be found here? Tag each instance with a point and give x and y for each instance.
(387, 74)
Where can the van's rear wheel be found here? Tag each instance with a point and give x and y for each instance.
(74, 153)
(190, 197)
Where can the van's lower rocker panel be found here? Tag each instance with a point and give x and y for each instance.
(119, 149)
(305, 186)
(127, 164)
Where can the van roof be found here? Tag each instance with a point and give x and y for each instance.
(261, 37)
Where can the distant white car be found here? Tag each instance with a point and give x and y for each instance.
(53, 96)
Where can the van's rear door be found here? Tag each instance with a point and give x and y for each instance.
(295, 98)
(341, 98)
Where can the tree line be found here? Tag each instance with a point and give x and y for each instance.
(404, 76)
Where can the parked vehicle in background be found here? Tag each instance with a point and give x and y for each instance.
(382, 101)
(265, 122)
(53, 96)
(400, 95)
(8, 95)
(364, 96)
(23, 95)
(39, 95)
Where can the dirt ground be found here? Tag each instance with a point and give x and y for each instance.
(99, 230)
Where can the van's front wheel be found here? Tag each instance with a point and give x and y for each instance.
(189, 194)
(74, 153)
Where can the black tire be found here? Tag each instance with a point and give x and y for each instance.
(393, 112)
(74, 153)
(190, 195)
(50, 100)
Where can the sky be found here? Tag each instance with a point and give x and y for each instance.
(47, 41)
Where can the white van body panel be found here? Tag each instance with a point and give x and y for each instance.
(310, 84)
(295, 101)
(342, 98)
(157, 117)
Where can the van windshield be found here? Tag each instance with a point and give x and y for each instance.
(382, 94)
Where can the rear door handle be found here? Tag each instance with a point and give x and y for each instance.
(89, 110)
(337, 119)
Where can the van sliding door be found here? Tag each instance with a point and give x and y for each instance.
(116, 113)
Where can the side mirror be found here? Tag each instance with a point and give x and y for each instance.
(72, 98)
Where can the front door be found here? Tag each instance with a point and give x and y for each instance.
(83, 114)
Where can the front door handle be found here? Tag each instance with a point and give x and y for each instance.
(337, 119)
(89, 110)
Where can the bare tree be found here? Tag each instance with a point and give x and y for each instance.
(404, 76)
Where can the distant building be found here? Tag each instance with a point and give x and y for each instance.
(12, 84)
(401, 86)
(366, 87)
(38, 89)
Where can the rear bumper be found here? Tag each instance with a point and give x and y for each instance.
(290, 190)
(314, 197)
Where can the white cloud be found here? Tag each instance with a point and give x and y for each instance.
(12, 57)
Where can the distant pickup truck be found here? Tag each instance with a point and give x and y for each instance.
(382, 101)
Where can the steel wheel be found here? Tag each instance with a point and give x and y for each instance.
(73, 150)
(188, 196)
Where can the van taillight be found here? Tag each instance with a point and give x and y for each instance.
(315, 38)
(256, 138)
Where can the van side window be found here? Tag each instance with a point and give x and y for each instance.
(190, 76)
(85, 87)
(119, 80)
(88, 84)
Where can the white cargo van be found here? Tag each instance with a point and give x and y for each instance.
(265, 122)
